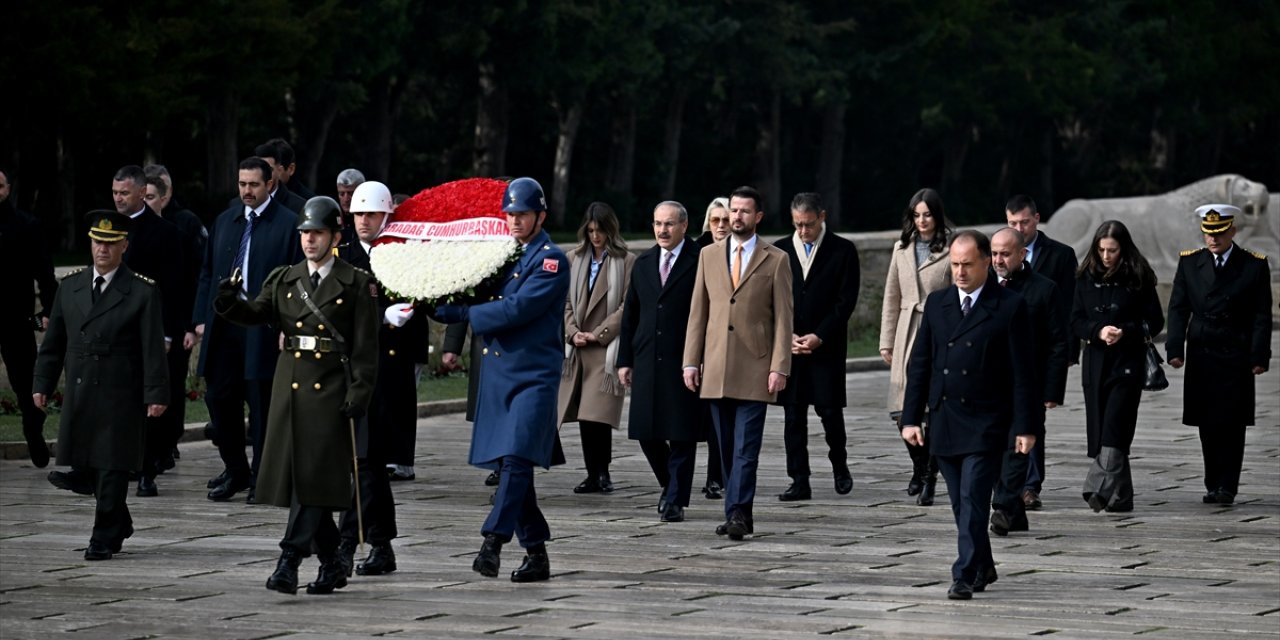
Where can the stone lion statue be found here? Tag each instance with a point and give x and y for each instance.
(1166, 224)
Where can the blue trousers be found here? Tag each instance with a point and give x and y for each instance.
(970, 479)
(672, 463)
(740, 430)
(515, 507)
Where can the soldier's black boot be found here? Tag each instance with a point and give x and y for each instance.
(536, 566)
(347, 555)
(925, 499)
(381, 560)
(488, 561)
(919, 468)
(285, 578)
(332, 575)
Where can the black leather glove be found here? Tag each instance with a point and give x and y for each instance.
(353, 411)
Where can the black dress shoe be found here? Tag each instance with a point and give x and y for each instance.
(73, 481)
(147, 487)
(590, 485)
(797, 491)
(285, 577)
(492, 479)
(1031, 500)
(722, 529)
(535, 568)
(673, 513)
(1210, 498)
(662, 504)
(37, 448)
(97, 551)
(347, 555)
(605, 483)
(218, 479)
(925, 499)
(960, 590)
(737, 526)
(381, 560)
(229, 488)
(1225, 497)
(332, 576)
(252, 496)
(1120, 507)
(844, 483)
(999, 523)
(915, 485)
(713, 491)
(175, 454)
(488, 560)
(984, 578)
(1096, 502)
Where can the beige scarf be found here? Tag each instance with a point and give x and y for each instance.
(806, 260)
(580, 297)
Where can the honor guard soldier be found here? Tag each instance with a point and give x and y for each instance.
(1220, 328)
(515, 426)
(328, 312)
(108, 329)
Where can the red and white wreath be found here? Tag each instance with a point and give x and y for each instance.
(447, 244)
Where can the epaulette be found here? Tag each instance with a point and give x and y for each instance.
(1255, 254)
(1191, 252)
(144, 278)
(365, 271)
(72, 273)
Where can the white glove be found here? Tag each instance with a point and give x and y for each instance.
(398, 314)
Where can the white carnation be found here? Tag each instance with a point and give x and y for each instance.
(435, 269)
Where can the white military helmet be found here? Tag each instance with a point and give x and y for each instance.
(372, 196)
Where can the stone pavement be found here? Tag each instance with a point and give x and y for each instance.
(868, 565)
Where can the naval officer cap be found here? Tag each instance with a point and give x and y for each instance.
(1217, 218)
(107, 225)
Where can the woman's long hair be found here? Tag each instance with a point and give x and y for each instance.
(942, 226)
(1132, 270)
(607, 222)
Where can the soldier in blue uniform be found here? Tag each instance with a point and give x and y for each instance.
(1220, 328)
(515, 426)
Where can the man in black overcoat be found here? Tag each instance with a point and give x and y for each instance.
(255, 236)
(825, 277)
(155, 251)
(973, 343)
(665, 417)
(1220, 328)
(26, 264)
(1049, 373)
(106, 327)
(1057, 262)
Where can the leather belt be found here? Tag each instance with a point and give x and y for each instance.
(309, 343)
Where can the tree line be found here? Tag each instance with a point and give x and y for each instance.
(632, 102)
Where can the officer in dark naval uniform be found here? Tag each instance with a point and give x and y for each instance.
(1220, 328)
(328, 311)
(107, 327)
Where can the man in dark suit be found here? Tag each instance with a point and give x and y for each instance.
(106, 327)
(155, 251)
(737, 348)
(1220, 328)
(160, 198)
(665, 416)
(1049, 373)
(270, 153)
(26, 264)
(1057, 262)
(279, 154)
(255, 237)
(966, 367)
(824, 276)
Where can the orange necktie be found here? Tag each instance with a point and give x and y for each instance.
(737, 266)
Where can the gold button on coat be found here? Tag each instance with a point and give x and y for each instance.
(338, 301)
(317, 386)
(298, 324)
(320, 327)
(295, 385)
(391, 352)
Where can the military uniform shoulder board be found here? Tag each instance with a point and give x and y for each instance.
(1256, 254)
(1191, 252)
(143, 278)
(365, 271)
(72, 273)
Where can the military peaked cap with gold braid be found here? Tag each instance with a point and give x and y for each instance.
(106, 225)
(1217, 218)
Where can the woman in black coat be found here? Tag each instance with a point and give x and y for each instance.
(1115, 297)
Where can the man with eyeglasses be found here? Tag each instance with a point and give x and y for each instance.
(824, 273)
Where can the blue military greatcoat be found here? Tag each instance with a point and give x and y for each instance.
(523, 351)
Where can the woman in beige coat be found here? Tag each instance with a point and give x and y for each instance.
(918, 267)
(590, 393)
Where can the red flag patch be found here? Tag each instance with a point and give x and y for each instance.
(551, 264)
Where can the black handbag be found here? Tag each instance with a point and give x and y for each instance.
(1154, 380)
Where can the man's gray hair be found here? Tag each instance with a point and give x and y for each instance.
(350, 178)
(682, 213)
(1018, 238)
